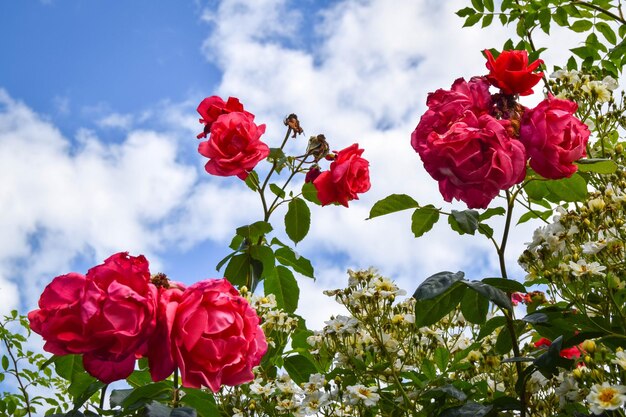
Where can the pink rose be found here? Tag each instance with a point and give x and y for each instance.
(106, 315)
(474, 160)
(212, 107)
(512, 73)
(348, 175)
(58, 319)
(216, 337)
(554, 138)
(159, 348)
(234, 147)
(446, 107)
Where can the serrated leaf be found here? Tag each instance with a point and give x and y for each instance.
(297, 220)
(430, 311)
(238, 269)
(599, 166)
(465, 221)
(504, 344)
(254, 231)
(252, 180)
(284, 286)
(441, 357)
(392, 204)
(146, 394)
(437, 284)
(300, 264)
(569, 189)
(299, 368)
(423, 219)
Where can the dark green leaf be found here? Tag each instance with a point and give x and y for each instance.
(544, 17)
(118, 396)
(430, 311)
(465, 221)
(478, 5)
(297, 220)
(599, 166)
(607, 32)
(536, 318)
(472, 20)
(506, 285)
(252, 180)
(488, 5)
(534, 215)
(146, 394)
(549, 362)
(465, 12)
(437, 284)
(392, 204)
(157, 410)
(581, 25)
(254, 231)
(491, 325)
(449, 390)
(560, 17)
(238, 269)
(309, 192)
(5, 362)
(428, 369)
(498, 297)
(442, 356)
(299, 368)
(468, 410)
(284, 286)
(474, 307)
(504, 344)
(183, 412)
(300, 264)
(224, 260)
(487, 20)
(265, 255)
(536, 189)
(423, 219)
(277, 190)
(485, 229)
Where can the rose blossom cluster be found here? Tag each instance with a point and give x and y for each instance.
(234, 146)
(476, 144)
(117, 312)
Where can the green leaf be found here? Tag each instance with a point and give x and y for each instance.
(144, 395)
(118, 396)
(544, 20)
(490, 326)
(224, 260)
(567, 189)
(485, 229)
(534, 215)
(201, 400)
(437, 284)
(254, 231)
(478, 5)
(297, 220)
(265, 255)
(487, 20)
(549, 362)
(560, 17)
(5, 362)
(252, 180)
(430, 311)
(504, 344)
(607, 32)
(536, 189)
(392, 204)
(581, 25)
(493, 294)
(507, 285)
(472, 20)
(423, 219)
(474, 307)
(157, 410)
(277, 190)
(599, 166)
(284, 286)
(299, 368)
(463, 222)
(490, 212)
(238, 269)
(442, 356)
(300, 264)
(489, 5)
(309, 192)
(428, 369)
(465, 12)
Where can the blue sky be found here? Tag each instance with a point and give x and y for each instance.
(98, 123)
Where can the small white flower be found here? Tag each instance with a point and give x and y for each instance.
(610, 83)
(362, 393)
(581, 267)
(606, 397)
(597, 89)
(620, 359)
(568, 390)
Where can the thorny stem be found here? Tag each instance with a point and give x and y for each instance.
(22, 387)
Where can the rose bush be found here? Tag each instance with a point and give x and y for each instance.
(234, 147)
(512, 73)
(348, 175)
(216, 336)
(554, 138)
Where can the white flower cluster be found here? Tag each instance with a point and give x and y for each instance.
(600, 90)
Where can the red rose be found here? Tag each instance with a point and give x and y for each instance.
(58, 319)
(159, 348)
(216, 337)
(213, 107)
(234, 147)
(511, 73)
(348, 175)
(569, 353)
(446, 107)
(554, 138)
(106, 315)
(474, 160)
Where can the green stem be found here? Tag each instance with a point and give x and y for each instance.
(103, 392)
(269, 174)
(601, 10)
(176, 397)
(273, 206)
(17, 374)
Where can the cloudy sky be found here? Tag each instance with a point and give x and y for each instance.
(98, 124)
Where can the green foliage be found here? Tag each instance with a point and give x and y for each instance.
(392, 204)
(297, 220)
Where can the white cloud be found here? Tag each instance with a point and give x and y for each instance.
(116, 121)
